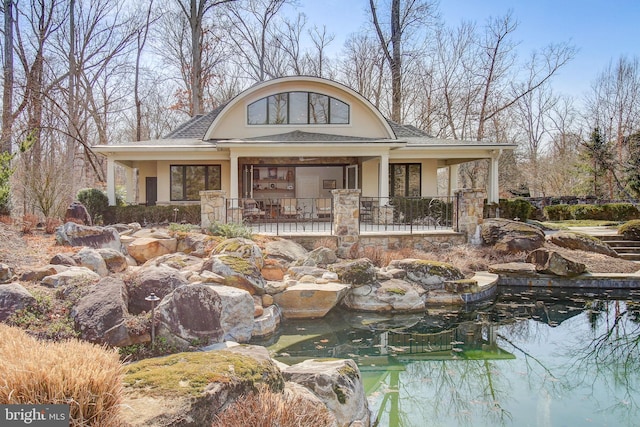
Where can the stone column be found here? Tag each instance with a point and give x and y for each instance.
(469, 213)
(212, 208)
(346, 219)
(111, 181)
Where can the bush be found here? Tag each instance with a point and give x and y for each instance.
(630, 230)
(267, 408)
(515, 208)
(582, 212)
(82, 375)
(558, 212)
(96, 202)
(142, 214)
(231, 230)
(411, 210)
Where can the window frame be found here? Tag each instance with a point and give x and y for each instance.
(207, 176)
(266, 101)
(393, 171)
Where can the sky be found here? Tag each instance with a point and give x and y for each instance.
(601, 30)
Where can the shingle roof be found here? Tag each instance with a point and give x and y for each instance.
(196, 126)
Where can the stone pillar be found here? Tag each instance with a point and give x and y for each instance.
(111, 181)
(346, 219)
(469, 213)
(212, 208)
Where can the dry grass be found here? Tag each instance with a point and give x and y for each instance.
(84, 376)
(266, 409)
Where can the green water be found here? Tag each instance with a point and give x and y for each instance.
(533, 358)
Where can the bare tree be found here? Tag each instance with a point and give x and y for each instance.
(363, 67)
(7, 82)
(403, 17)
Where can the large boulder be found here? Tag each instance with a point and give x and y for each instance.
(72, 276)
(320, 256)
(582, 242)
(428, 274)
(517, 269)
(237, 272)
(309, 300)
(63, 259)
(145, 248)
(72, 234)
(338, 384)
(552, 262)
(284, 250)
(355, 272)
(196, 244)
(394, 295)
(241, 248)
(160, 280)
(511, 236)
(178, 260)
(191, 313)
(91, 258)
(236, 317)
(77, 212)
(201, 385)
(101, 315)
(39, 273)
(13, 297)
(116, 261)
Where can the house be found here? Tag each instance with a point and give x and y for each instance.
(292, 137)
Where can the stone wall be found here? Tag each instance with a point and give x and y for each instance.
(470, 212)
(212, 210)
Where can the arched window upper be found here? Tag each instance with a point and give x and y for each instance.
(297, 108)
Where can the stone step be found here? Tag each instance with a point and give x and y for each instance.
(627, 249)
(623, 243)
(630, 256)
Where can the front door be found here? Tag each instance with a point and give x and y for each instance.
(151, 190)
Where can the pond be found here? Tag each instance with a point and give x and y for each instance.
(534, 357)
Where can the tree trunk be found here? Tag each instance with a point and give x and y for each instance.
(7, 92)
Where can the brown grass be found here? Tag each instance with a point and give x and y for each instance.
(29, 223)
(266, 409)
(84, 376)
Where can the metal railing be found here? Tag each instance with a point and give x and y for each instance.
(282, 215)
(408, 214)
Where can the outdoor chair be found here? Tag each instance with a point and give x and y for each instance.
(251, 210)
(323, 208)
(289, 208)
(366, 210)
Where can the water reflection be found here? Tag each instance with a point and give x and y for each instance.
(536, 357)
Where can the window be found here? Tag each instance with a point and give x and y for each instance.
(188, 180)
(297, 108)
(405, 179)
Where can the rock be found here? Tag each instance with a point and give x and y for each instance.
(273, 288)
(159, 280)
(101, 315)
(284, 250)
(387, 273)
(176, 260)
(184, 399)
(267, 300)
(296, 392)
(63, 259)
(6, 273)
(37, 274)
(582, 242)
(268, 323)
(91, 259)
(305, 301)
(73, 276)
(273, 269)
(511, 236)
(551, 262)
(428, 274)
(514, 269)
(72, 234)
(237, 315)
(196, 244)
(320, 256)
(298, 272)
(116, 261)
(241, 248)
(146, 248)
(357, 272)
(237, 272)
(13, 297)
(77, 213)
(191, 313)
(394, 295)
(338, 384)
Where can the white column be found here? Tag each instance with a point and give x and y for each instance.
(453, 180)
(131, 186)
(383, 179)
(111, 181)
(233, 182)
(493, 191)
